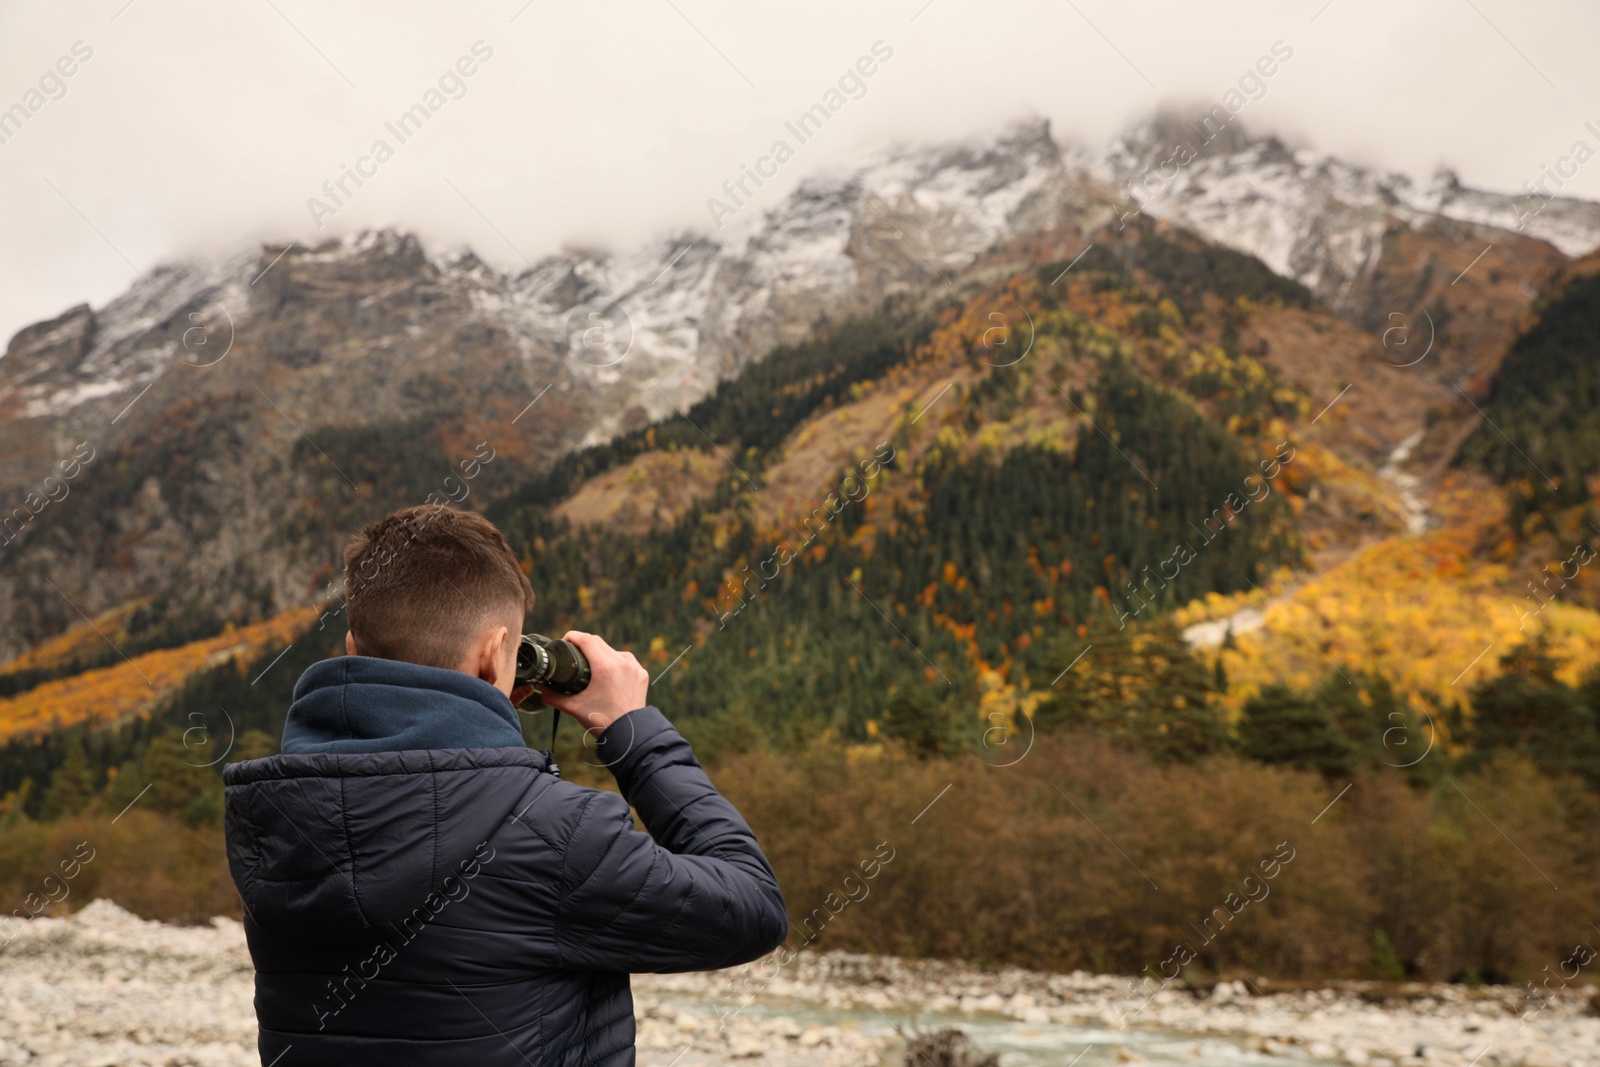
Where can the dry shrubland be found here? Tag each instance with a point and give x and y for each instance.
(1084, 856)
(1080, 855)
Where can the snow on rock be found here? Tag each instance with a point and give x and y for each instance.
(658, 325)
(178, 312)
(650, 328)
(1306, 214)
(1571, 225)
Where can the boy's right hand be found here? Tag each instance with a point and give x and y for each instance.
(618, 684)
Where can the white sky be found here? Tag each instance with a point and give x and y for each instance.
(196, 127)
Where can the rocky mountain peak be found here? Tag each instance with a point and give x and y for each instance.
(676, 314)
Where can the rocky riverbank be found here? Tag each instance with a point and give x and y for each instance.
(105, 987)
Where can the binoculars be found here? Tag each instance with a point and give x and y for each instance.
(553, 663)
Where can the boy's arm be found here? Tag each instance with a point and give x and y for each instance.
(699, 895)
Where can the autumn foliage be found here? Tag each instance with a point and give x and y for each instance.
(133, 687)
(1078, 855)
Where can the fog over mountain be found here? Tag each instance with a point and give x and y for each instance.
(187, 131)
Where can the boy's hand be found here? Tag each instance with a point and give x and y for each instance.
(617, 685)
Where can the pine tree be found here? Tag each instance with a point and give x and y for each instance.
(176, 781)
(1380, 725)
(922, 726)
(13, 806)
(1385, 965)
(1140, 686)
(72, 786)
(1527, 709)
(253, 744)
(1281, 726)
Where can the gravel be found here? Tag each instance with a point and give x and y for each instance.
(106, 987)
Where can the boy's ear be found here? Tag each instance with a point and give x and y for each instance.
(492, 646)
(350, 644)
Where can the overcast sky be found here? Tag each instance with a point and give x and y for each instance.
(198, 127)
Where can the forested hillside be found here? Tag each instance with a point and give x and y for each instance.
(1544, 402)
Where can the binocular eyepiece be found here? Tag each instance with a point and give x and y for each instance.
(552, 662)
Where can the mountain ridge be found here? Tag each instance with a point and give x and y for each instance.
(1002, 183)
(231, 393)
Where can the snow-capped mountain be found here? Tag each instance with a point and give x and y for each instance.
(646, 328)
(211, 380)
(225, 387)
(661, 323)
(1306, 214)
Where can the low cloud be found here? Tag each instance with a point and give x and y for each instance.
(196, 129)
